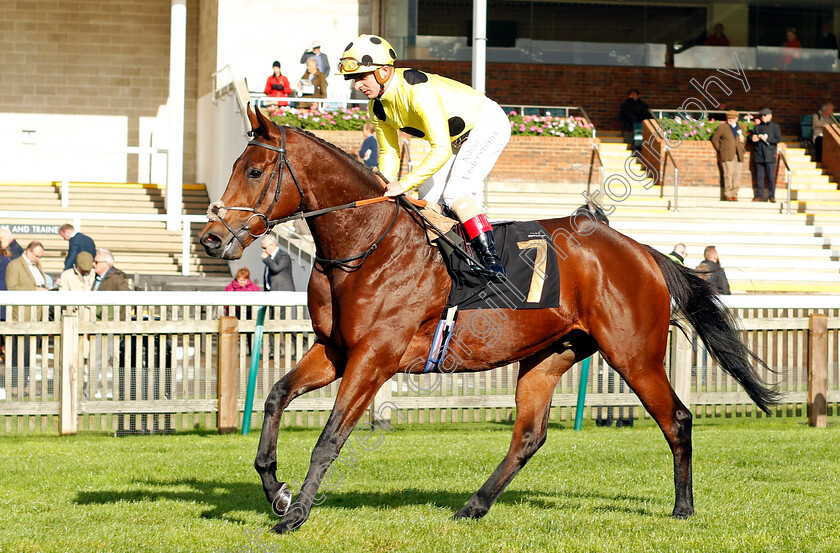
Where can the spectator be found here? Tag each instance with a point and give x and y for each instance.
(78, 243)
(278, 266)
(25, 272)
(633, 111)
(312, 84)
(277, 277)
(729, 140)
(765, 136)
(9, 250)
(711, 271)
(108, 277)
(827, 40)
(314, 51)
(679, 254)
(369, 154)
(80, 277)
(242, 283)
(792, 49)
(277, 85)
(822, 119)
(717, 39)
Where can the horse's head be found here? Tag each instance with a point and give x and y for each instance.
(262, 189)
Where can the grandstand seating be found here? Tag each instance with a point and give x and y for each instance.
(761, 247)
(145, 247)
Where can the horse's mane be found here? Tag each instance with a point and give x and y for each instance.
(363, 171)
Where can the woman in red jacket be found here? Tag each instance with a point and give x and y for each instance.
(277, 85)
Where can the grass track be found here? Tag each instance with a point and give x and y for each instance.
(759, 485)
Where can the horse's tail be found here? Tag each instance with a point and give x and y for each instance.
(697, 301)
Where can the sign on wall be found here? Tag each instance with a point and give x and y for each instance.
(32, 228)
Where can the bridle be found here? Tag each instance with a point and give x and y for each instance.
(281, 162)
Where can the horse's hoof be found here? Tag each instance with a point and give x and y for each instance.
(292, 521)
(282, 500)
(470, 511)
(682, 513)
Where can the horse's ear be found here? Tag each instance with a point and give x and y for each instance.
(253, 118)
(263, 122)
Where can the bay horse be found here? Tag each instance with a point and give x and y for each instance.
(378, 290)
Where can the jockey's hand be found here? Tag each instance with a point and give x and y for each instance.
(394, 189)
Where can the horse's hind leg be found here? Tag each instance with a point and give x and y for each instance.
(318, 368)
(651, 384)
(537, 379)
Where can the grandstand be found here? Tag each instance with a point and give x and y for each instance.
(140, 247)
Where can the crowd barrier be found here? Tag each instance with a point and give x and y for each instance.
(149, 362)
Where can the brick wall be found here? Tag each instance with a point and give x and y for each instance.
(526, 158)
(95, 57)
(831, 152)
(601, 90)
(697, 160)
(544, 159)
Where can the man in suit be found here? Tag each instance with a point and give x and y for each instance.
(729, 140)
(25, 272)
(277, 276)
(278, 266)
(765, 136)
(78, 243)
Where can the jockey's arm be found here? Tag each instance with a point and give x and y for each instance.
(389, 151)
(428, 108)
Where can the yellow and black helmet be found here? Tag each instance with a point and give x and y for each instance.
(365, 55)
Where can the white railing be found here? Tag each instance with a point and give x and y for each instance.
(78, 218)
(152, 359)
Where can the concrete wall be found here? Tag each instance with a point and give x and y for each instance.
(104, 64)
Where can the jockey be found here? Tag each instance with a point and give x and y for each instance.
(466, 131)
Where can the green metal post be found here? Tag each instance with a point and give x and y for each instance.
(256, 348)
(584, 379)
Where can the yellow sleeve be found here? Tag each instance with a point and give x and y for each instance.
(428, 107)
(389, 151)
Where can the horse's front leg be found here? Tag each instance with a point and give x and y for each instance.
(319, 367)
(358, 387)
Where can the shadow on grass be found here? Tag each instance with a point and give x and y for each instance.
(225, 498)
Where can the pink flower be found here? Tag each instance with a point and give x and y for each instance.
(521, 128)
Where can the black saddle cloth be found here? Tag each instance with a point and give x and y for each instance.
(533, 278)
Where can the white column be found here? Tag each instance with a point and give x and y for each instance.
(479, 45)
(177, 77)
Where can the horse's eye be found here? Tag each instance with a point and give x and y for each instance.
(254, 173)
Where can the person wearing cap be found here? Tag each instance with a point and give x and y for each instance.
(466, 131)
(277, 85)
(729, 140)
(765, 136)
(79, 277)
(314, 51)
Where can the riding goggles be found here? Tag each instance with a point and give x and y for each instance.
(351, 65)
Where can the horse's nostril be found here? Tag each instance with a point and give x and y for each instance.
(211, 240)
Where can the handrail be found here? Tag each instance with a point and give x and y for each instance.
(669, 153)
(788, 176)
(596, 152)
(78, 216)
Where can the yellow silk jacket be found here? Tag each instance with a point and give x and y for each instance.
(426, 106)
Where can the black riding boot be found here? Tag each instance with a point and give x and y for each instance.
(485, 246)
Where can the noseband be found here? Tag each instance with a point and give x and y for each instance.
(282, 161)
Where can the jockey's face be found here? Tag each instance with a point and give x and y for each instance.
(367, 85)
